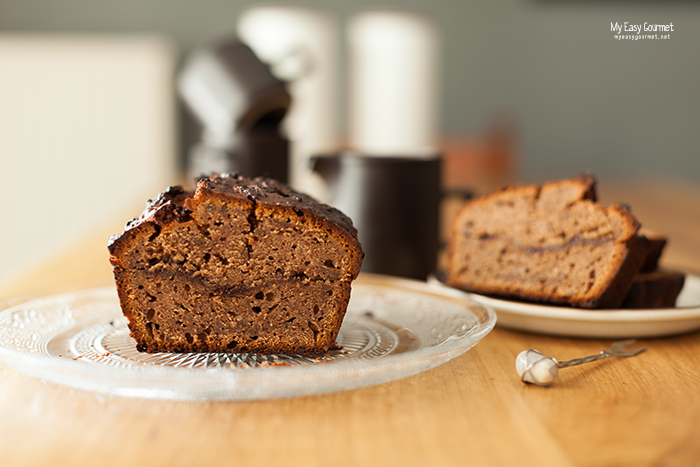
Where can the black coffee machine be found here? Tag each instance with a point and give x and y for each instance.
(239, 106)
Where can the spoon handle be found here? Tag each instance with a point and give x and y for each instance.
(580, 361)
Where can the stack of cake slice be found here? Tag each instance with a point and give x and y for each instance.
(553, 243)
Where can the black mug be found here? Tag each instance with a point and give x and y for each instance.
(394, 203)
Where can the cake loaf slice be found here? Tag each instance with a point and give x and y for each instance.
(239, 265)
(656, 244)
(551, 243)
(657, 289)
(654, 287)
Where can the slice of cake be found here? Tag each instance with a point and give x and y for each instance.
(239, 265)
(657, 289)
(551, 243)
(657, 243)
(654, 287)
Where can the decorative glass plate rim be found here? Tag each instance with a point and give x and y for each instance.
(138, 379)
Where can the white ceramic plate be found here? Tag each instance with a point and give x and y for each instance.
(393, 328)
(562, 321)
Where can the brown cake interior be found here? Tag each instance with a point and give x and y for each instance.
(236, 268)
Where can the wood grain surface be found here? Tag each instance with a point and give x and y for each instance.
(473, 410)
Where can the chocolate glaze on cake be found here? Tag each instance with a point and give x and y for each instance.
(239, 265)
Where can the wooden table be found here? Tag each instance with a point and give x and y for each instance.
(473, 410)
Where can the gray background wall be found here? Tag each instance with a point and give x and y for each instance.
(580, 98)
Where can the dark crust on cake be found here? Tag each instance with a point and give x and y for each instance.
(621, 282)
(657, 243)
(657, 289)
(626, 250)
(585, 181)
(260, 207)
(167, 207)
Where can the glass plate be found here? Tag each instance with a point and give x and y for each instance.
(612, 323)
(393, 328)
